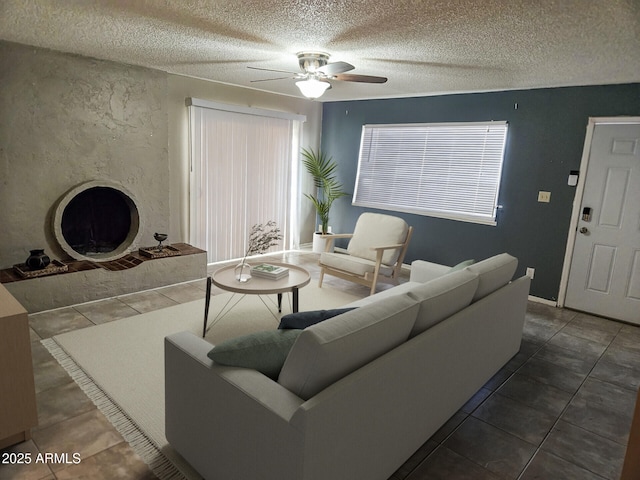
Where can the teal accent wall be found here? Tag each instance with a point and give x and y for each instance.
(545, 142)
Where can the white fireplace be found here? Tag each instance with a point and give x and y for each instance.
(97, 220)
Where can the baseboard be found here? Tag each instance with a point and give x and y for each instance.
(544, 301)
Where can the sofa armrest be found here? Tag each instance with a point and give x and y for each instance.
(216, 414)
(423, 271)
(251, 383)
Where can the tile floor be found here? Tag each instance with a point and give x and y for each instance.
(560, 409)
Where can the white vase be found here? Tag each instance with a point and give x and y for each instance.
(243, 272)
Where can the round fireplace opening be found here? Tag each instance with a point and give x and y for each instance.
(96, 221)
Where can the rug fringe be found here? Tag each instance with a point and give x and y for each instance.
(159, 464)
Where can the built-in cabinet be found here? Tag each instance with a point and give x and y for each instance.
(18, 413)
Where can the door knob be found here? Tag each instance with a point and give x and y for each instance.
(584, 230)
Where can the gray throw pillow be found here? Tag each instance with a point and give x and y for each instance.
(302, 320)
(461, 265)
(262, 351)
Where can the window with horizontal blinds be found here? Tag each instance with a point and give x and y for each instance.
(447, 170)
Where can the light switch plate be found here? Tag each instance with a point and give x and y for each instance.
(544, 196)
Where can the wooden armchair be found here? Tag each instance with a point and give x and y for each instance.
(375, 252)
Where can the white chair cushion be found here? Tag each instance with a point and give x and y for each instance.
(328, 351)
(442, 297)
(377, 230)
(356, 265)
(493, 273)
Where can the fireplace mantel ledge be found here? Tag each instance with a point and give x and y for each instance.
(88, 281)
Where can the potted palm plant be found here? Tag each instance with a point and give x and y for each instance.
(322, 168)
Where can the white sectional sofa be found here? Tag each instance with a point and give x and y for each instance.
(358, 393)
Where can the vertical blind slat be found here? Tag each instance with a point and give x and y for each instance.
(241, 175)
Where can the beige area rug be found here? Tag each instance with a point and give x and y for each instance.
(120, 365)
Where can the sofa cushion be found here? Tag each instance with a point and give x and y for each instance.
(377, 230)
(442, 297)
(493, 273)
(423, 271)
(263, 351)
(302, 320)
(328, 351)
(383, 295)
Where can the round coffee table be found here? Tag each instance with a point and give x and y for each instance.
(225, 279)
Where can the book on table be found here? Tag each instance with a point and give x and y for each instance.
(265, 270)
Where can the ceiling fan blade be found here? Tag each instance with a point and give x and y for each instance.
(272, 70)
(269, 79)
(349, 77)
(335, 68)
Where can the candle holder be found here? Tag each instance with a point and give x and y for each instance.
(160, 237)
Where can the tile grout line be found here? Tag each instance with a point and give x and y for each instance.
(573, 396)
(39, 339)
(470, 414)
(494, 392)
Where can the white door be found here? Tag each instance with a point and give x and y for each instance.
(604, 276)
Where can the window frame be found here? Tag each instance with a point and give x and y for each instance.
(439, 163)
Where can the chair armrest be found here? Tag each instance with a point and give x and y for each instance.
(331, 237)
(388, 247)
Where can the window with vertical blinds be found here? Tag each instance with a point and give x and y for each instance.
(447, 170)
(243, 172)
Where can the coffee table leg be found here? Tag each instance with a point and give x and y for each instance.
(294, 290)
(280, 303)
(207, 301)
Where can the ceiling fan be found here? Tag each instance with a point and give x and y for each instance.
(316, 72)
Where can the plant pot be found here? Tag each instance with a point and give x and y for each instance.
(319, 243)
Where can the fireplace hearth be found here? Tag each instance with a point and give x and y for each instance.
(86, 281)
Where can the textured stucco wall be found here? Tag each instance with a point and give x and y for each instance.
(66, 120)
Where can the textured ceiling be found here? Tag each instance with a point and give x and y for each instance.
(424, 47)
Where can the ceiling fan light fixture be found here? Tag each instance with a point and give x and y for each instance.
(316, 71)
(312, 61)
(312, 88)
